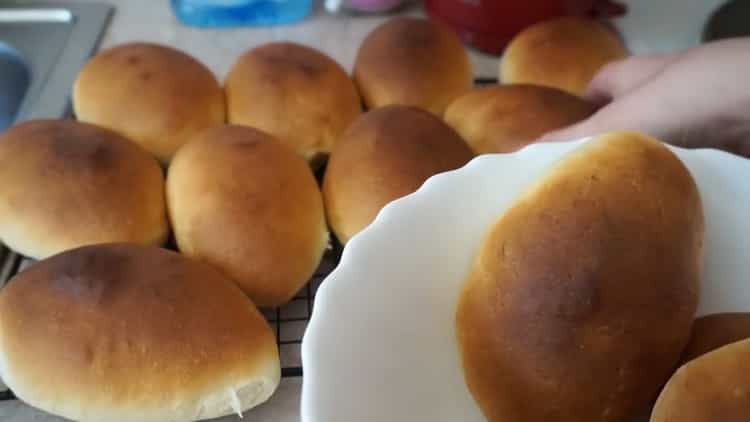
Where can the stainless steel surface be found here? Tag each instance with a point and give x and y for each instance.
(42, 47)
(14, 82)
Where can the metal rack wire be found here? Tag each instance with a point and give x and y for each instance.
(289, 321)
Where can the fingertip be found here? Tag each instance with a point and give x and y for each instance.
(603, 88)
(555, 136)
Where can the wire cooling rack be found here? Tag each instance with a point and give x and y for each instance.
(288, 322)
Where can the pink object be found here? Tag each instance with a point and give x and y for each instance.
(489, 24)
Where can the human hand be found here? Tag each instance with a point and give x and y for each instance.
(697, 98)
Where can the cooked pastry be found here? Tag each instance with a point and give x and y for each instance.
(412, 61)
(564, 53)
(506, 118)
(295, 93)
(153, 94)
(245, 203)
(387, 153)
(65, 184)
(582, 295)
(123, 333)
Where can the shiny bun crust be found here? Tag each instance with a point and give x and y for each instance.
(155, 95)
(295, 93)
(125, 333)
(65, 184)
(415, 62)
(563, 53)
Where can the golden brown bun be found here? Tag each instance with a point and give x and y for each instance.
(387, 153)
(241, 201)
(506, 118)
(713, 388)
(583, 294)
(295, 93)
(564, 53)
(65, 184)
(157, 96)
(129, 333)
(411, 61)
(714, 331)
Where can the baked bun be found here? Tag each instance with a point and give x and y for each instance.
(155, 95)
(65, 184)
(243, 202)
(295, 93)
(506, 118)
(582, 296)
(123, 333)
(387, 153)
(412, 61)
(564, 53)
(714, 331)
(711, 388)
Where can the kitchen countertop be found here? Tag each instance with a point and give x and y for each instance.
(339, 37)
(652, 26)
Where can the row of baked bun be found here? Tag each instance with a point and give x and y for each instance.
(238, 198)
(162, 98)
(135, 323)
(307, 101)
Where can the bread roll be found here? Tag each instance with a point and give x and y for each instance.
(411, 61)
(506, 118)
(124, 333)
(712, 388)
(295, 93)
(386, 154)
(714, 331)
(157, 96)
(243, 202)
(564, 53)
(65, 184)
(582, 296)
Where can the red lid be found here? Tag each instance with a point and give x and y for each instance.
(490, 24)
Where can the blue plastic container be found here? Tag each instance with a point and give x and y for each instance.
(233, 13)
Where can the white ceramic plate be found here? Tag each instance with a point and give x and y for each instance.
(381, 343)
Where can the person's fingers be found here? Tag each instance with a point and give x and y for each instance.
(639, 111)
(618, 78)
(588, 127)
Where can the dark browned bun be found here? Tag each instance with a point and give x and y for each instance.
(122, 332)
(295, 93)
(153, 94)
(387, 153)
(714, 331)
(714, 387)
(245, 203)
(564, 53)
(506, 118)
(65, 184)
(412, 61)
(583, 294)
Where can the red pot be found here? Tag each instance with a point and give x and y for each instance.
(489, 24)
